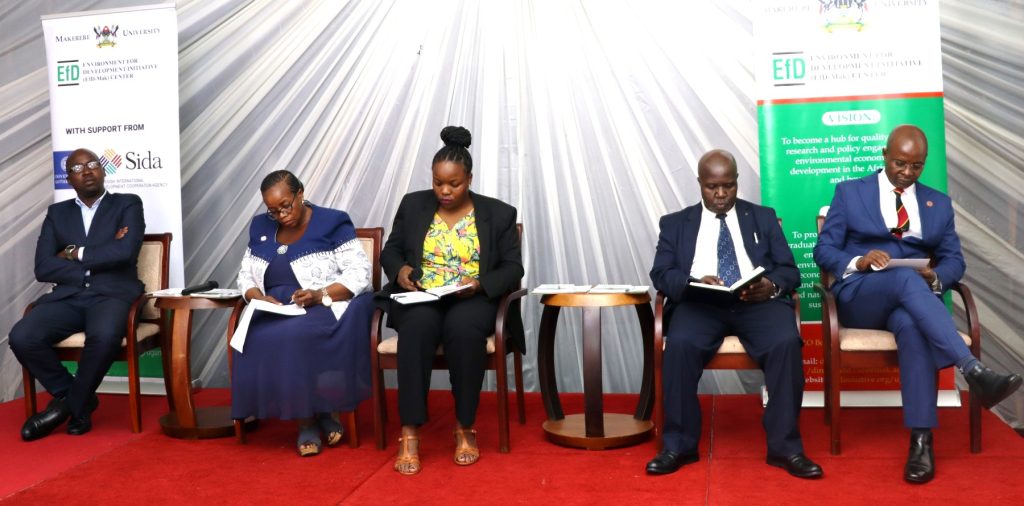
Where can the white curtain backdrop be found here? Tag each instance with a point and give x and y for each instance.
(588, 116)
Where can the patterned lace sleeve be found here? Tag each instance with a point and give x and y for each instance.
(246, 273)
(354, 267)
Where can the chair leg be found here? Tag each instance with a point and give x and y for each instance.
(134, 392)
(239, 431)
(379, 413)
(517, 361)
(30, 392)
(835, 402)
(974, 407)
(351, 419)
(502, 376)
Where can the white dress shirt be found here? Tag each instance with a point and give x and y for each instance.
(705, 257)
(88, 213)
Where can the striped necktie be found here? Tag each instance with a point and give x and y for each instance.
(902, 218)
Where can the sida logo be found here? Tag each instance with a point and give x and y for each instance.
(110, 161)
(105, 37)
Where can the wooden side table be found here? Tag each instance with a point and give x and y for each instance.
(594, 429)
(185, 421)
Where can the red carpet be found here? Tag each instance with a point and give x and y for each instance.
(111, 465)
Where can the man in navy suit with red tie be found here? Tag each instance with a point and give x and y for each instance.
(890, 215)
(720, 241)
(88, 249)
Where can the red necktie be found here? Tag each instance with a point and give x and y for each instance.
(902, 218)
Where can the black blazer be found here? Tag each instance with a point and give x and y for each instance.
(111, 262)
(763, 240)
(501, 258)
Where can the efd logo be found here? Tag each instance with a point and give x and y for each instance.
(68, 73)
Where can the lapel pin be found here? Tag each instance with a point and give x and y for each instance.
(264, 238)
(929, 203)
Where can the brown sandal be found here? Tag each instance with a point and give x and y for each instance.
(406, 458)
(465, 454)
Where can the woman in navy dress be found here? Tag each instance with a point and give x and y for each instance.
(305, 367)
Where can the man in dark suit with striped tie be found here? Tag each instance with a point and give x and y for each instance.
(719, 241)
(87, 249)
(890, 215)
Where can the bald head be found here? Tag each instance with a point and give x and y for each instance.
(904, 154)
(717, 175)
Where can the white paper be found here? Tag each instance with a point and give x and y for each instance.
(167, 292)
(753, 274)
(552, 288)
(914, 263)
(633, 289)
(238, 338)
(429, 295)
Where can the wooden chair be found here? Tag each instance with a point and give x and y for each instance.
(384, 355)
(371, 239)
(145, 328)
(730, 355)
(849, 348)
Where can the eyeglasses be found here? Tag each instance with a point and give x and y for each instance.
(78, 167)
(285, 209)
(901, 164)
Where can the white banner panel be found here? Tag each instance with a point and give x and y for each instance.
(113, 78)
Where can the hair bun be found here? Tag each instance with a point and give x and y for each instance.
(456, 136)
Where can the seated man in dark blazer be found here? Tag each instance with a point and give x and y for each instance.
(720, 241)
(88, 249)
(889, 215)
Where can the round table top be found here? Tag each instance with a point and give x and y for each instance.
(194, 302)
(595, 299)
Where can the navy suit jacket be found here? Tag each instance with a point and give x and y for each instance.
(501, 257)
(763, 241)
(854, 226)
(111, 262)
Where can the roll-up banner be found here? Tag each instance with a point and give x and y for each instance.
(833, 78)
(113, 77)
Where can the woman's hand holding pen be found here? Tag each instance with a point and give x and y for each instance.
(404, 281)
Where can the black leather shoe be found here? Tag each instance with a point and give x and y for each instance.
(666, 462)
(41, 424)
(798, 465)
(991, 386)
(920, 466)
(79, 425)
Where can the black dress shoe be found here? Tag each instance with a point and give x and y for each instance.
(41, 424)
(920, 466)
(667, 462)
(798, 465)
(991, 386)
(79, 425)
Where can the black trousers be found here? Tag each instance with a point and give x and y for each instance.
(462, 326)
(104, 321)
(768, 333)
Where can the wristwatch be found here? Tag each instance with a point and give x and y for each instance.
(69, 252)
(325, 298)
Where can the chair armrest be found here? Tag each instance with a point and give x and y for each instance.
(971, 314)
(659, 328)
(504, 305)
(134, 317)
(829, 318)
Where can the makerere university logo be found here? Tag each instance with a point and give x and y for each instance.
(105, 37)
(843, 14)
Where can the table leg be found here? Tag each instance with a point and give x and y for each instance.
(546, 363)
(645, 405)
(593, 400)
(181, 370)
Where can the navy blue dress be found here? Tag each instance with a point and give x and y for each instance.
(296, 366)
